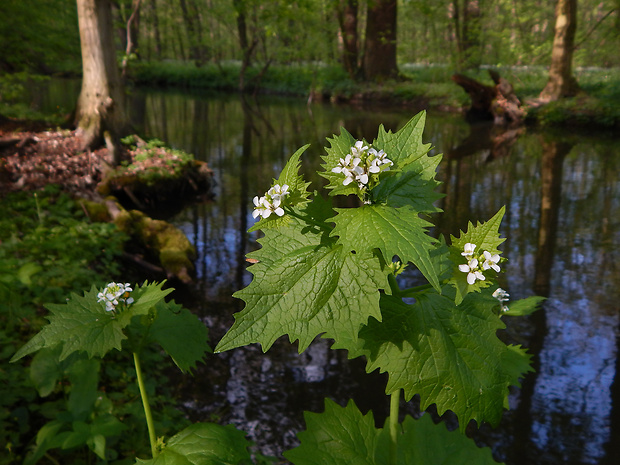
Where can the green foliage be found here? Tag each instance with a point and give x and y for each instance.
(85, 329)
(343, 436)
(83, 324)
(204, 444)
(152, 162)
(39, 35)
(448, 355)
(35, 231)
(335, 275)
(14, 98)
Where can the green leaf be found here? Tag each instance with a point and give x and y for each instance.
(517, 362)
(181, 334)
(414, 186)
(340, 435)
(305, 284)
(290, 175)
(80, 324)
(146, 297)
(343, 436)
(26, 271)
(46, 370)
(524, 307)
(450, 355)
(394, 231)
(405, 146)
(204, 444)
(83, 324)
(423, 442)
(486, 237)
(84, 378)
(48, 437)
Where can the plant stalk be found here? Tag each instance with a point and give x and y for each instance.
(394, 405)
(147, 408)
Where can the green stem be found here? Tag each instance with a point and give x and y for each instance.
(308, 219)
(394, 405)
(147, 408)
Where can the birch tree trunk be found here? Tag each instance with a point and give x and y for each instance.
(100, 114)
(561, 81)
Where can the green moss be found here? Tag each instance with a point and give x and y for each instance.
(162, 240)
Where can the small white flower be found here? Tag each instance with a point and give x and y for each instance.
(380, 158)
(259, 207)
(361, 176)
(501, 295)
(349, 177)
(114, 293)
(490, 261)
(278, 193)
(468, 249)
(359, 148)
(473, 273)
(374, 166)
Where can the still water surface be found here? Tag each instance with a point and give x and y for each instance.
(562, 224)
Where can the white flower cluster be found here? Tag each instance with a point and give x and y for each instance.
(113, 294)
(362, 163)
(270, 202)
(476, 264)
(502, 296)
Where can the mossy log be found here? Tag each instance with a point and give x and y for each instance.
(164, 244)
(159, 197)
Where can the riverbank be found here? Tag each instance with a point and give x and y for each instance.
(419, 86)
(428, 86)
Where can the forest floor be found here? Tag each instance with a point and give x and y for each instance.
(31, 156)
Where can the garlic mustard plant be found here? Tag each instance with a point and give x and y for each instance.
(115, 293)
(323, 270)
(83, 325)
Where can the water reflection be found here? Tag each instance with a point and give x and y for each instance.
(562, 224)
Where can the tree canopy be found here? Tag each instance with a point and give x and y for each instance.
(42, 35)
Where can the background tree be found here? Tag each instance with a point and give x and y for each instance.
(346, 12)
(380, 40)
(100, 114)
(466, 17)
(562, 82)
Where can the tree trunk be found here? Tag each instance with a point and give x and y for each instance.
(247, 49)
(561, 81)
(194, 35)
(466, 32)
(133, 24)
(347, 20)
(100, 113)
(158, 47)
(380, 48)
